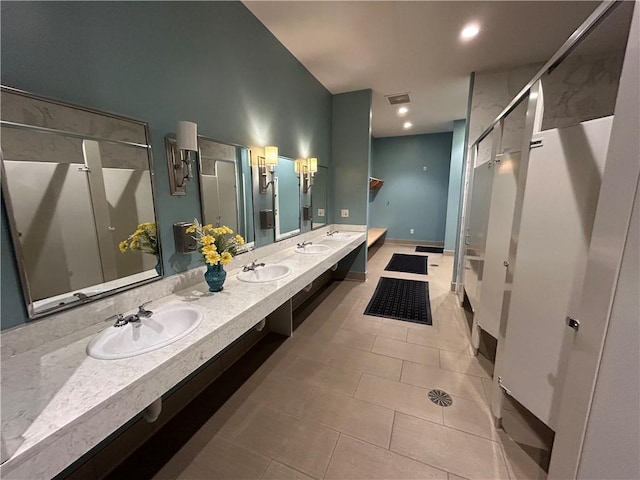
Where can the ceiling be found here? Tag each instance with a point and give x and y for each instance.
(395, 47)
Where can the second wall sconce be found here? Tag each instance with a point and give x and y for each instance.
(179, 156)
(307, 168)
(266, 166)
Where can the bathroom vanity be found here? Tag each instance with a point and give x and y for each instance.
(59, 403)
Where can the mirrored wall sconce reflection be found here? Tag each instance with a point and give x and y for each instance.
(180, 152)
(306, 168)
(266, 165)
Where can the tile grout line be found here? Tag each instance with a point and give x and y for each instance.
(326, 469)
(439, 468)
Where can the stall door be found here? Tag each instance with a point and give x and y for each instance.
(561, 194)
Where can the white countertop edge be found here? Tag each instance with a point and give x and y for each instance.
(47, 456)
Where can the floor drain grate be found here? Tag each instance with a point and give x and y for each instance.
(441, 398)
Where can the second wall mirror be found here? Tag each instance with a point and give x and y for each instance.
(286, 188)
(225, 186)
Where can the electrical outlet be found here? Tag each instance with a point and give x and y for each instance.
(321, 212)
(411, 231)
(344, 213)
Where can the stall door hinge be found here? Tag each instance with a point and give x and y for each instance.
(502, 386)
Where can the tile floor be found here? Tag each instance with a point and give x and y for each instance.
(346, 398)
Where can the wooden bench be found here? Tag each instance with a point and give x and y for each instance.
(375, 234)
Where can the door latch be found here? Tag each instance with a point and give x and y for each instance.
(573, 323)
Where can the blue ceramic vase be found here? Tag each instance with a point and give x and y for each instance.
(215, 277)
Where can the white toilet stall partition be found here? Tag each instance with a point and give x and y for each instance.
(503, 198)
(478, 218)
(562, 186)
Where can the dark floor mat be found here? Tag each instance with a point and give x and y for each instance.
(401, 262)
(401, 299)
(422, 248)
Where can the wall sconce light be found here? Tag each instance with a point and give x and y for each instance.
(266, 166)
(307, 167)
(179, 156)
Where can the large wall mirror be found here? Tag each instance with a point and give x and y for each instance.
(286, 189)
(319, 196)
(77, 184)
(225, 186)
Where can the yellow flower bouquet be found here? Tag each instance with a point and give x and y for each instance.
(145, 239)
(218, 246)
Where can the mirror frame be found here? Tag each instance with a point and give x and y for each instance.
(15, 239)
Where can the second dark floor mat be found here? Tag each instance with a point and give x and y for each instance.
(401, 262)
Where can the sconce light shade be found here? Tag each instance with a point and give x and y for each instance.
(270, 156)
(187, 136)
(300, 165)
(312, 163)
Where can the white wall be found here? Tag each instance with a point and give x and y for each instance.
(612, 442)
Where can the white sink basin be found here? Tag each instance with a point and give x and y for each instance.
(343, 235)
(313, 249)
(162, 328)
(268, 273)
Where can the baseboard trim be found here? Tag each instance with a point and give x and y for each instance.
(449, 253)
(356, 276)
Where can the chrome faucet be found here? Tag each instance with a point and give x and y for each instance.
(80, 295)
(252, 266)
(121, 320)
(331, 233)
(304, 244)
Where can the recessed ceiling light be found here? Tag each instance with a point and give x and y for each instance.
(470, 31)
(402, 111)
(407, 125)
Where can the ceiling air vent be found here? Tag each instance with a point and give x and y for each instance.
(398, 98)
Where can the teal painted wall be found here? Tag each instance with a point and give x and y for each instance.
(350, 161)
(410, 197)
(455, 184)
(212, 63)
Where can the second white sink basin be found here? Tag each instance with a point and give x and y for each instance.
(163, 327)
(268, 273)
(313, 249)
(343, 235)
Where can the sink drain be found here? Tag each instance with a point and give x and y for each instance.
(441, 398)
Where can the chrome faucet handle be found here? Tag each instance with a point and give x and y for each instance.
(120, 320)
(117, 316)
(143, 312)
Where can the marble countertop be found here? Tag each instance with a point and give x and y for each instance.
(58, 403)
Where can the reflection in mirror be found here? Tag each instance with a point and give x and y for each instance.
(286, 199)
(78, 185)
(225, 186)
(319, 195)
